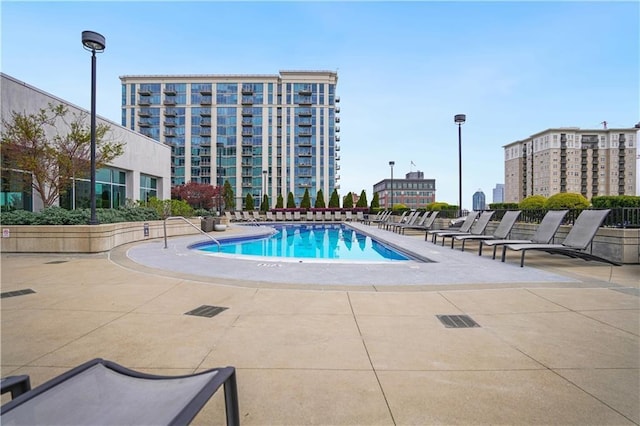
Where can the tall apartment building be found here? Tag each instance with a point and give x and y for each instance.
(414, 191)
(590, 162)
(479, 200)
(498, 193)
(270, 134)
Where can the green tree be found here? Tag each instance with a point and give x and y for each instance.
(375, 203)
(566, 200)
(280, 202)
(248, 202)
(533, 202)
(228, 196)
(306, 200)
(166, 208)
(53, 162)
(362, 201)
(347, 201)
(334, 200)
(291, 202)
(320, 204)
(264, 206)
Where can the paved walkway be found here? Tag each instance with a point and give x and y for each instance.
(559, 347)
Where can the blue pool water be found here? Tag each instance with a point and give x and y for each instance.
(311, 241)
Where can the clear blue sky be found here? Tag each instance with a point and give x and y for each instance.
(404, 68)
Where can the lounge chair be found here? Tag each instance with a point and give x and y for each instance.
(390, 221)
(229, 217)
(279, 216)
(318, 216)
(360, 216)
(348, 216)
(380, 216)
(412, 219)
(424, 225)
(464, 228)
(337, 216)
(256, 216)
(103, 392)
(270, 217)
(576, 242)
(543, 234)
(297, 216)
(328, 216)
(477, 228)
(245, 216)
(501, 232)
(238, 216)
(310, 216)
(288, 216)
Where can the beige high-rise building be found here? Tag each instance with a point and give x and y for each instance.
(590, 162)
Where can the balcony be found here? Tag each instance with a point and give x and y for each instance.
(304, 123)
(247, 89)
(247, 142)
(170, 123)
(247, 122)
(144, 100)
(246, 184)
(337, 148)
(144, 112)
(337, 129)
(304, 100)
(247, 100)
(205, 131)
(337, 158)
(305, 153)
(144, 92)
(247, 112)
(337, 99)
(337, 166)
(304, 112)
(205, 122)
(337, 177)
(337, 138)
(170, 100)
(337, 119)
(205, 100)
(305, 164)
(205, 91)
(337, 109)
(247, 131)
(170, 90)
(144, 123)
(247, 152)
(621, 168)
(305, 90)
(146, 132)
(305, 133)
(305, 143)
(304, 185)
(170, 133)
(205, 112)
(205, 141)
(170, 112)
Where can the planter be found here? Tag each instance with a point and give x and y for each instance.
(219, 227)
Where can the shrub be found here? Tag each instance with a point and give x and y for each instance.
(60, 216)
(398, 206)
(615, 201)
(504, 206)
(362, 201)
(334, 200)
(248, 202)
(440, 206)
(347, 201)
(566, 200)
(533, 202)
(320, 204)
(291, 202)
(305, 203)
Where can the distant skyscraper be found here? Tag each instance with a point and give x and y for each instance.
(498, 193)
(479, 200)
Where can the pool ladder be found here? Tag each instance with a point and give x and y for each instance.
(186, 221)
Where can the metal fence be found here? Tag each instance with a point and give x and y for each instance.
(621, 217)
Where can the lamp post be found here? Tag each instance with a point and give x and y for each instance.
(391, 164)
(93, 42)
(219, 147)
(264, 185)
(459, 120)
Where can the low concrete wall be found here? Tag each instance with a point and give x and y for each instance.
(87, 238)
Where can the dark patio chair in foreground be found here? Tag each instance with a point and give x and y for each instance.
(576, 242)
(543, 234)
(464, 228)
(477, 228)
(101, 392)
(501, 232)
(424, 224)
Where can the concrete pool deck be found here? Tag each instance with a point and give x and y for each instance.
(561, 346)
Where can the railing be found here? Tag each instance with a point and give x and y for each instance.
(189, 223)
(621, 217)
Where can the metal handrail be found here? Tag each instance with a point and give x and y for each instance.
(183, 218)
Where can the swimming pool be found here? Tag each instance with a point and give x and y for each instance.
(311, 241)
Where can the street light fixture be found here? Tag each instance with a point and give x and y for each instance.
(391, 164)
(459, 120)
(93, 42)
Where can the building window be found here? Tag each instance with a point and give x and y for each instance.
(148, 187)
(110, 191)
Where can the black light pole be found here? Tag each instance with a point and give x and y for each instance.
(220, 147)
(264, 184)
(391, 164)
(93, 42)
(460, 119)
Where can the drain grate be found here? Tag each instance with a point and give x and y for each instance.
(16, 293)
(457, 321)
(55, 262)
(206, 311)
